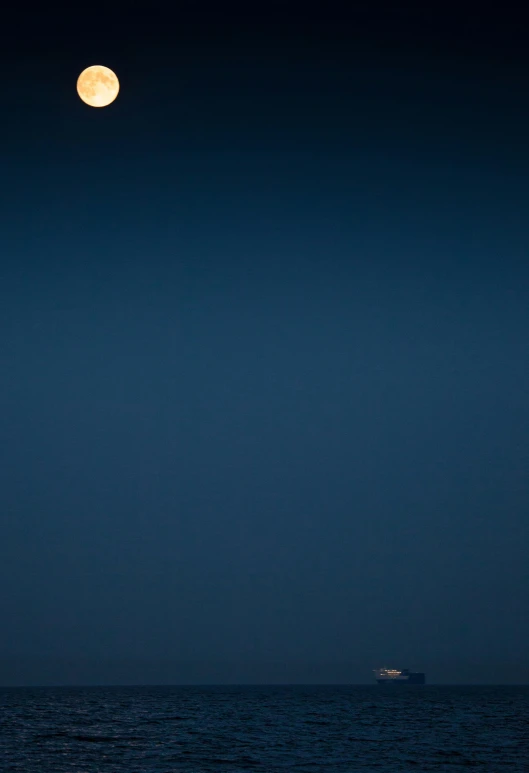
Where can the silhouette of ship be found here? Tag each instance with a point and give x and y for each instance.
(396, 676)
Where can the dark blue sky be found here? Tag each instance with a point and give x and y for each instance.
(264, 351)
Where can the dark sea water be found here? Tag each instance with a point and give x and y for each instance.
(195, 729)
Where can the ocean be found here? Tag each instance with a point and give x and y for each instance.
(264, 728)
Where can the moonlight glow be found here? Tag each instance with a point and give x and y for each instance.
(98, 86)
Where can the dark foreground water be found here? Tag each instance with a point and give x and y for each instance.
(197, 729)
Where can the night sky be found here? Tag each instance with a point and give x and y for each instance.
(264, 361)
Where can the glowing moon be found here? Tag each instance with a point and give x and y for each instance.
(98, 86)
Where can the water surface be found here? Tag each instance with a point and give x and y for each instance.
(313, 728)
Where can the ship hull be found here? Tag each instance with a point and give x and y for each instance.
(411, 679)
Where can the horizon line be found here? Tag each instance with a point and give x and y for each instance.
(258, 684)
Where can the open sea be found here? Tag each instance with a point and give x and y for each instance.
(312, 728)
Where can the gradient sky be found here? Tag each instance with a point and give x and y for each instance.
(264, 362)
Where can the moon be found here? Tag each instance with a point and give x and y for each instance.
(98, 86)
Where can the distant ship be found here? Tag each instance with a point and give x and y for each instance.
(394, 676)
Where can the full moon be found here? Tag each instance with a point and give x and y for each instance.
(98, 86)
